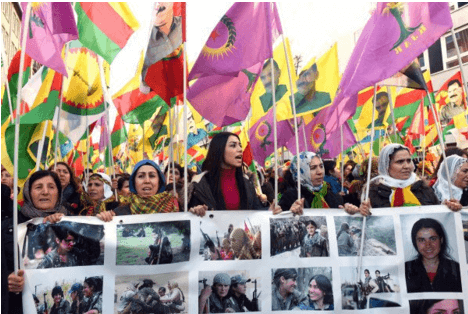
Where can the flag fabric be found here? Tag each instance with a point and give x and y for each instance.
(382, 110)
(243, 37)
(50, 27)
(387, 44)
(119, 135)
(451, 101)
(105, 27)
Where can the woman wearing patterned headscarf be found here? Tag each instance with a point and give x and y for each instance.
(457, 178)
(98, 193)
(396, 183)
(315, 193)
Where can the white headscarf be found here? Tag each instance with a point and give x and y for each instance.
(107, 185)
(384, 165)
(304, 166)
(441, 188)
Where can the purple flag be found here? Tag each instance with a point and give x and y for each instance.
(262, 136)
(318, 140)
(243, 38)
(51, 25)
(395, 35)
(104, 139)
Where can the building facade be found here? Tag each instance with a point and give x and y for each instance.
(11, 29)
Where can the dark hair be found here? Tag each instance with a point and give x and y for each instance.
(212, 164)
(95, 282)
(380, 95)
(423, 306)
(268, 62)
(286, 273)
(396, 151)
(46, 173)
(455, 81)
(147, 283)
(344, 228)
(57, 290)
(73, 180)
(313, 68)
(162, 289)
(449, 152)
(367, 270)
(62, 232)
(329, 165)
(377, 271)
(177, 166)
(324, 284)
(430, 224)
(121, 181)
(311, 222)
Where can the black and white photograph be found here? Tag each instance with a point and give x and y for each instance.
(431, 254)
(153, 243)
(162, 293)
(465, 233)
(303, 289)
(83, 295)
(229, 292)
(374, 287)
(229, 240)
(305, 236)
(379, 238)
(436, 306)
(63, 244)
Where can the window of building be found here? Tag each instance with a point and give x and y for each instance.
(456, 5)
(450, 55)
(6, 10)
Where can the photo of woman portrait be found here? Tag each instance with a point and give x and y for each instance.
(320, 295)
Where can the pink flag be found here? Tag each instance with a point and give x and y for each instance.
(395, 35)
(50, 26)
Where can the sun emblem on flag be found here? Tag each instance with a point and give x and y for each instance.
(317, 136)
(262, 133)
(221, 40)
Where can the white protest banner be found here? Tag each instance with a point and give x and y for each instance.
(249, 261)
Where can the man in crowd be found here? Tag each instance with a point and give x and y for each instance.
(241, 302)
(217, 296)
(284, 295)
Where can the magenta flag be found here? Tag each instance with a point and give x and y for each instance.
(243, 38)
(262, 136)
(395, 35)
(51, 26)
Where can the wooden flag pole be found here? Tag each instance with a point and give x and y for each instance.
(17, 129)
(185, 60)
(171, 154)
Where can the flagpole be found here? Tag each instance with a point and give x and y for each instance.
(171, 155)
(390, 101)
(57, 137)
(87, 150)
(17, 127)
(460, 64)
(272, 67)
(185, 129)
(41, 146)
(306, 147)
(342, 160)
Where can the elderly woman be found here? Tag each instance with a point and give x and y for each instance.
(396, 184)
(315, 193)
(147, 185)
(98, 195)
(222, 185)
(71, 190)
(457, 178)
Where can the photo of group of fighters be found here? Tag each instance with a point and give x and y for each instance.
(375, 287)
(243, 242)
(228, 292)
(153, 243)
(64, 244)
(162, 294)
(304, 237)
(77, 296)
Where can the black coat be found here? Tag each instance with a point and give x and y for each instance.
(447, 278)
(290, 196)
(464, 198)
(379, 194)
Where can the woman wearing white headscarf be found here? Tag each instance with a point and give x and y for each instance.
(458, 178)
(98, 194)
(396, 185)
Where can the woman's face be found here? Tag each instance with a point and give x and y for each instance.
(221, 290)
(315, 294)
(44, 193)
(87, 290)
(95, 189)
(317, 171)
(311, 229)
(125, 191)
(7, 179)
(170, 175)
(347, 170)
(428, 243)
(401, 166)
(461, 179)
(147, 181)
(445, 307)
(232, 153)
(63, 175)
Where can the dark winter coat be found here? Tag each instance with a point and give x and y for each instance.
(379, 194)
(290, 196)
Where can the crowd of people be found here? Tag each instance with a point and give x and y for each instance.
(223, 184)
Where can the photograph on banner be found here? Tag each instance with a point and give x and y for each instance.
(229, 292)
(375, 287)
(153, 243)
(302, 289)
(436, 306)
(64, 244)
(161, 293)
(305, 236)
(464, 217)
(78, 295)
(431, 253)
(379, 237)
(236, 238)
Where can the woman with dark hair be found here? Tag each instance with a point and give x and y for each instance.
(436, 306)
(98, 196)
(222, 185)
(123, 185)
(433, 270)
(345, 242)
(332, 176)
(76, 295)
(70, 187)
(396, 184)
(61, 306)
(320, 295)
(177, 175)
(314, 244)
(458, 180)
(92, 289)
(147, 184)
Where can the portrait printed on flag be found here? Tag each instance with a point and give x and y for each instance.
(455, 101)
(265, 76)
(64, 244)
